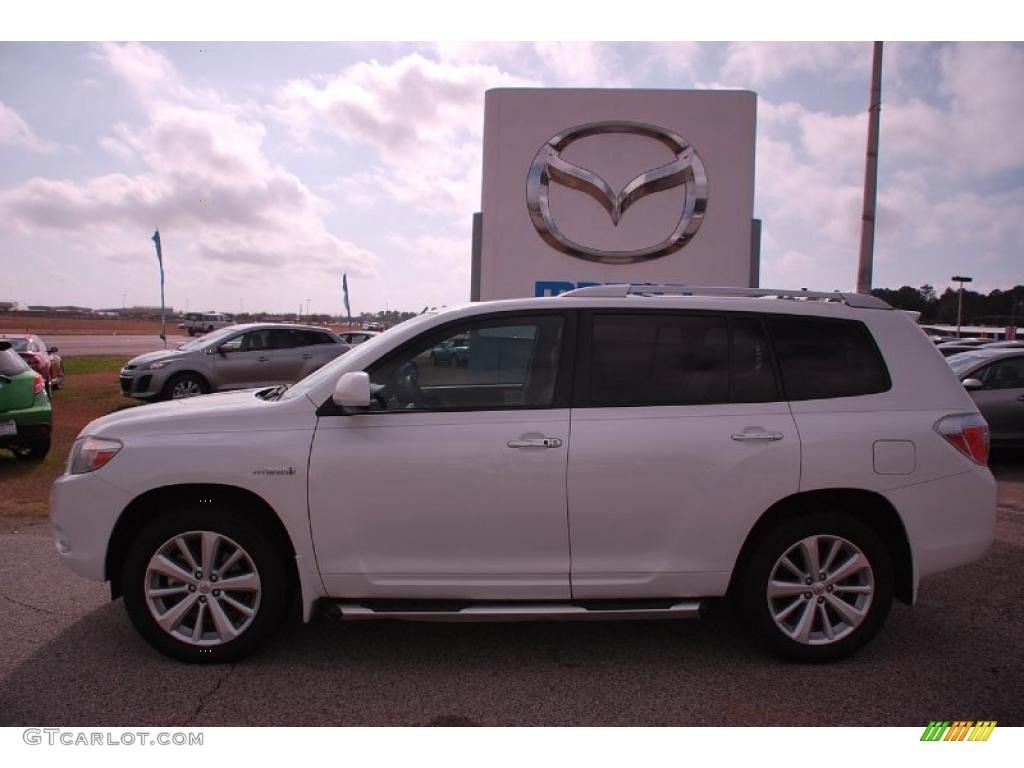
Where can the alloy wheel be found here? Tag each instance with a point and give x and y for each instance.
(202, 588)
(820, 590)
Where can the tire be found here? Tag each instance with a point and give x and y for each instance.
(59, 382)
(185, 385)
(203, 624)
(191, 331)
(845, 610)
(32, 451)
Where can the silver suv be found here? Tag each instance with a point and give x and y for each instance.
(236, 357)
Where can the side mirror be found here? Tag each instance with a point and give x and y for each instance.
(51, 350)
(353, 390)
(970, 384)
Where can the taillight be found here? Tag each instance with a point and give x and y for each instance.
(968, 433)
(38, 385)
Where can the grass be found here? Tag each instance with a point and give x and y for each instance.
(91, 390)
(93, 364)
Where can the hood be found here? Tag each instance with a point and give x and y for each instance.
(160, 354)
(238, 411)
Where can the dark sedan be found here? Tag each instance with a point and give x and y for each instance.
(995, 379)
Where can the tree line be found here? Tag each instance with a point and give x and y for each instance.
(999, 308)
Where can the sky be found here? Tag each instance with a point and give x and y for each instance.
(273, 168)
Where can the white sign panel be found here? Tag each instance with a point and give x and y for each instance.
(601, 186)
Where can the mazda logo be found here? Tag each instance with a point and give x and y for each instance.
(686, 170)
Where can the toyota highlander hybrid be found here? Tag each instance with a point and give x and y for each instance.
(619, 452)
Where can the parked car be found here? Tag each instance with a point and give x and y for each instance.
(1011, 344)
(236, 357)
(42, 359)
(994, 377)
(357, 337)
(26, 416)
(807, 460)
(198, 323)
(453, 352)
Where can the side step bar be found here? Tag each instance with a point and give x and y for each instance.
(682, 609)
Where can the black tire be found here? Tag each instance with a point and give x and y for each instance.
(191, 331)
(35, 450)
(187, 379)
(60, 381)
(273, 599)
(756, 610)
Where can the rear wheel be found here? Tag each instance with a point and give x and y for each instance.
(817, 588)
(35, 450)
(205, 587)
(58, 383)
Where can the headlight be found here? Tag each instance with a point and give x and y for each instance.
(157, 365)
(91, 453)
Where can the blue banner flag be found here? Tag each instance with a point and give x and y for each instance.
(160, 261)
(344, 289)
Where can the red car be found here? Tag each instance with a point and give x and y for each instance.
(44, 360)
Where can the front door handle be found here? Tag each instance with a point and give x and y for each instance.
(262, 359)
(537, 442)
(306, 357)
(744, 436)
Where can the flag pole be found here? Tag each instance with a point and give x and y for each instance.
(163, 313)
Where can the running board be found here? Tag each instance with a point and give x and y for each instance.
(682, 609)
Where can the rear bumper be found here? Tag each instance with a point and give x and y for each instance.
(949, 522)
(33, 423)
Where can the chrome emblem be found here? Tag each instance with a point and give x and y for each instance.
(686, 170)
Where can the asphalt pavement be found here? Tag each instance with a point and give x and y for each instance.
(109, 344)
(69, 656)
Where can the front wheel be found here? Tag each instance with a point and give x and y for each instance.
(205, 587)
(817, 588)
(185, 385)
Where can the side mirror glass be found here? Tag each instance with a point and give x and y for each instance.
(353, 390)
(51, 350)
(971, 384)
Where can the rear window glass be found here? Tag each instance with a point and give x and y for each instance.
(11, 363)
(824, 358)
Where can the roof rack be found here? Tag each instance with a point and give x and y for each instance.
(622, 290)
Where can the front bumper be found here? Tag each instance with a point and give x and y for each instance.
(83, 512)
(141, 383)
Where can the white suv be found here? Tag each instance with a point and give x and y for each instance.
(618, 452)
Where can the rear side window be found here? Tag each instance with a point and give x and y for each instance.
(658, 359)
(11, 363)
(824, 358)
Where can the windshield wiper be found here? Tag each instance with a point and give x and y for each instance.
(274, 393)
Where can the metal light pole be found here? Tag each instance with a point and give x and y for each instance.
(867, 231)
(960, 301)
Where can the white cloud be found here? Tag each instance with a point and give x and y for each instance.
(207, 184)
(762, 63)
(423, 118)
(15, 132)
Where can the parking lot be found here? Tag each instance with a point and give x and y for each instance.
(68, 655)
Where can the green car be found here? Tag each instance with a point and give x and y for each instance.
(26, 417)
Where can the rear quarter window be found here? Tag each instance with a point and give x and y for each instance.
(826, 358)
(11, 363)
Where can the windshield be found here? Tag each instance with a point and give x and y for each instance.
(209, 340)
(329, 371)
(962, 361)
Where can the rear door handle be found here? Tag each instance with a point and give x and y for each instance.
(262, 359)
(537, 442)
(744, 436)
(306, 356)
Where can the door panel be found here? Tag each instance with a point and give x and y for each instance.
(662, 498)
(437, 505)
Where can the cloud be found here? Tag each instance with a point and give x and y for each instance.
(423, 119)
(207, 183)
(762, 63)
(15, 132)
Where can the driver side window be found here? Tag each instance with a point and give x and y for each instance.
(508, 362)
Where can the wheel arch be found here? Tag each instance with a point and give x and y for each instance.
(147, 506)
(870, 508)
